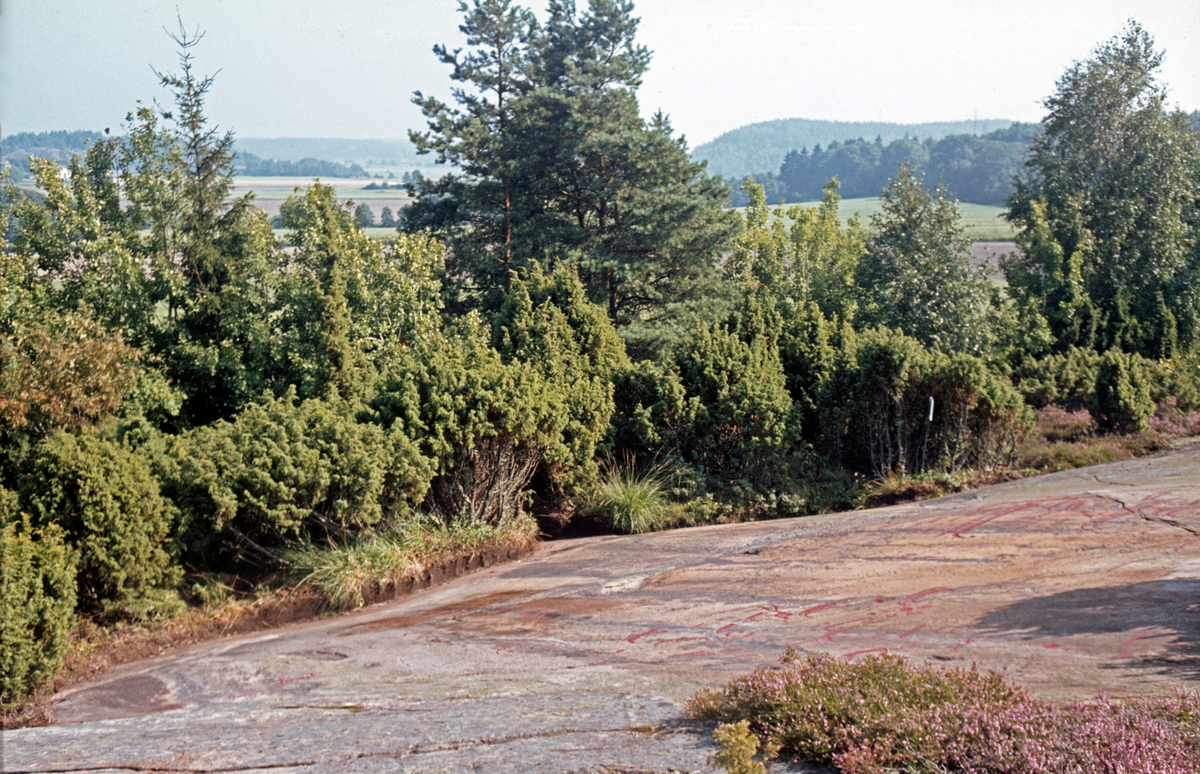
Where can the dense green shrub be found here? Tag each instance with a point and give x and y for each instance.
(737, 396)
(1178, 378)
(981, 414)
(282, 470)
(1121, 401)
(868, 407)
(889, 404)
(808, 346)
(37, 602)
(108, 503)
(486, 425)
(349, 299)
(650, 406)
(548, 322)
(1067, 379)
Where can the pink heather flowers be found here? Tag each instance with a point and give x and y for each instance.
(1169, 419)
(882, 714)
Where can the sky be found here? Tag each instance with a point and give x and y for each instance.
(348, 68)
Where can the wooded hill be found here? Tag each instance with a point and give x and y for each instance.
(761, 147)
(974, 169)
(347, 151)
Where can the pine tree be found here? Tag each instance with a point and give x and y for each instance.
(474, 207)
(566, 170)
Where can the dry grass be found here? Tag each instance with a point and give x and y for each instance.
(347, 576)
(1070, 439)
(1060, 440)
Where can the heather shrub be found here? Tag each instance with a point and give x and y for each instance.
(1170, 419)
(37, 602)
(1055, 423)
(883, 714)
(107, 502)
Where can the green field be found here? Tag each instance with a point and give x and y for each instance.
(984, 222)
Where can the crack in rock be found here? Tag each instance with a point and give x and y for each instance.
(1143, 515)
(1111, 483)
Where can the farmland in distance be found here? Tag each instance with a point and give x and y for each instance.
(985, 223)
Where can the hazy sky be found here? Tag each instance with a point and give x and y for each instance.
(347, 68)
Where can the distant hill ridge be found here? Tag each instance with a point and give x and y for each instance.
(761, 147)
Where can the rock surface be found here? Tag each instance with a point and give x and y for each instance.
(581, 656)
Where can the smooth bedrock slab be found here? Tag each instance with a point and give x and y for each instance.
(581, 657)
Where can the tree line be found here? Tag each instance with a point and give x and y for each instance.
(762, 145)
(181, 395)
(60, 145)
(974, 169)
(249, 164)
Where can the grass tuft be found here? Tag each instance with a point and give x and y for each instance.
(633, 500)
(346, 575)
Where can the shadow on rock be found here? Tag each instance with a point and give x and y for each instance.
(1172, 607)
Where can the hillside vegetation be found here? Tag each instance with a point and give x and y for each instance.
(571, 322)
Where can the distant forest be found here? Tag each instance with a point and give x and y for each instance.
(249, 164)
(384, 153)
(761, 147)
(60, 145)
(974, 169)
(56, 146)
(787, 157)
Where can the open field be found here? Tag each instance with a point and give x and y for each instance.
(279, 188)
(376, 232)
(984, 222)
(271, 192)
